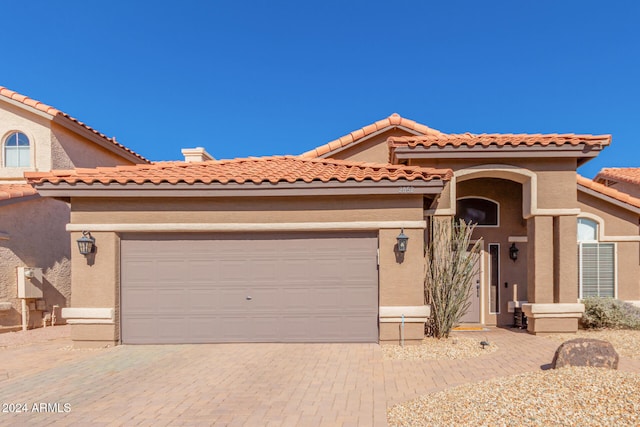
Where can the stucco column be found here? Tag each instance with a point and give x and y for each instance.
(540, 259)
(551, 287)
(95, 279)
(401, 278)
(565, 259)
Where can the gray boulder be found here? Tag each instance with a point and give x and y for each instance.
(586, 352)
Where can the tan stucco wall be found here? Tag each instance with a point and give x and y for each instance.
(69, 151)
(37, 238)
(250, 210)
(401, 276)
(13, 118)
(374, 149)
(95, 280)
(52, 146)
(556, 178)
(619, 222)
(95, 283)
(565, 259)
(37, 227)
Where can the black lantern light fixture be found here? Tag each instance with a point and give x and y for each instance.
(513, 252)
(86, 243)
(402, 241)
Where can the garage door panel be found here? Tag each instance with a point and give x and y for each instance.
(303, 288)
(296, 299)
(327, 298)
(263, 298)
(359, 298)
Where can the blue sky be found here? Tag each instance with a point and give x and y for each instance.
(272, 77)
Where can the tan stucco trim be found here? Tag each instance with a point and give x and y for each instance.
(566, 310)
(556, 212)
(602, 237)
(91, 315)
(518, 239)
(233, 227)
(412, 313)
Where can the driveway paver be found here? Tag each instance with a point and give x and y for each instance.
(240, 384)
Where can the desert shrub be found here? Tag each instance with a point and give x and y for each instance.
(610, 313)
(451, 260)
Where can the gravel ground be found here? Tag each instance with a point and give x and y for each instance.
(454, 347)
(563, 397)
(626, 343)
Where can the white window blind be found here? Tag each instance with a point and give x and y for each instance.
(597, 269)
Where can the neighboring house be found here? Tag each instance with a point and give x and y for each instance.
(35, 137)
(305, 249)
(626, 180)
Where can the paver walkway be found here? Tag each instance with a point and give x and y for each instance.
(240, 384)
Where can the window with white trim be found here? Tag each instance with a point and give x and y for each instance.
(596, 262)
(17, 151)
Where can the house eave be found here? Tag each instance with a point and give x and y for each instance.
(609, 199)
(399, 187)
(26, 107)
(581, 151)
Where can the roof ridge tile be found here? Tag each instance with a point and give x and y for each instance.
(393, 120)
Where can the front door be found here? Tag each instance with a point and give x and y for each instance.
(473, 313)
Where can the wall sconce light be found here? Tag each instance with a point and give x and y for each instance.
(86, 244)
(402, 241)
(513, 252)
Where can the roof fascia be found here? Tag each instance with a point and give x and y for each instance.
(401, 187)
(86, 133)
(367, 137)
(493, 151)
(609, 199)
(26, 107)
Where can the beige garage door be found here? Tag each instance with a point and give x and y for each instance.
(249, 288)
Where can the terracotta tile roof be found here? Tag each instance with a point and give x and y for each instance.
(8, 93)
(608, 191)
(393, 120)
(630, 175)
(498, 139)
(15, 191)
(250, 170)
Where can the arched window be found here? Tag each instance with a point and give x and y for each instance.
(596, 262)
(483, 212)
(17, 151)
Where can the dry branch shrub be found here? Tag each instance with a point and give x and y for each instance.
(451, 263)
